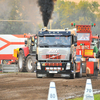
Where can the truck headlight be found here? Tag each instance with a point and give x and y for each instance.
(67, 66)
(38, 66)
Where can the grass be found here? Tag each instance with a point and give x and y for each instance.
(96, 97)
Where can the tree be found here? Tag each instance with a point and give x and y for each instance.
(84, 13)
(17, 13)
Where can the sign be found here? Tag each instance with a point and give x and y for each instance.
(88, 94)
(88, 52)
(52, 95)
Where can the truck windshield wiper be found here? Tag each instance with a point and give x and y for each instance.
(44, 45)
(59, 44)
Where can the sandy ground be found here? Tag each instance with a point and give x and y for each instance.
(25, 86)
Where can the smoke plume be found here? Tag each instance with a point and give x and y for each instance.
(46, 8)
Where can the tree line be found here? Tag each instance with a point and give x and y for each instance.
(64, 13)
(84, 13)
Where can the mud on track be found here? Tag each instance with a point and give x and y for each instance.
(25, 86)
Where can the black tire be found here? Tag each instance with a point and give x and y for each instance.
(30, 64)
(72, 76)
(79, 75)
(21, 61)
(97, 55)
(96, 72)
(50, 75)
(99, 67)
(99, 71)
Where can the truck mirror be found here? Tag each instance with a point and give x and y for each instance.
(75, 44)
(25, 41)
(75, 39)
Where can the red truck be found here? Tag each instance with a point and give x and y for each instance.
(89, 62)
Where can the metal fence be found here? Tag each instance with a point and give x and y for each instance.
(9, 68)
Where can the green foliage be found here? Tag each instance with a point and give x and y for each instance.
(18, 25)
(82, 13)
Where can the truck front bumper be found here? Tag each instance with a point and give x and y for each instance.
(65, 73)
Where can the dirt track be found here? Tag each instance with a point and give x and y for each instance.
(25, 86)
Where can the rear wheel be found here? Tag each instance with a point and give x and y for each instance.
(79, 75)
(21, 61)
(96, 72)
(99, 67)
(30, 64)
(72, 76)
(97, 55)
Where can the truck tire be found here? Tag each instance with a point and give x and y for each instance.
(21, 61)
(99, 66)
(96, 72)
(97, 55)
(72, 76)
(79, 75)
(30, 64)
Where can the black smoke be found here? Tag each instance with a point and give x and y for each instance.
(46, 8)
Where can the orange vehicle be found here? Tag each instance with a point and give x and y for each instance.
(89, 62)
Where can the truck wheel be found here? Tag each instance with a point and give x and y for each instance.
(99, 67)
(30, 64)
(50, 75)
(95, 72)
(79, 75)
(72, 76)
(99, 71)
(97, 55)
(21, 61)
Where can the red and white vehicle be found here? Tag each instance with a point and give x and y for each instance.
(26, 55)
(89, 62)
(9, 42)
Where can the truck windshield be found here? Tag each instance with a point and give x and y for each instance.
(54, 41)
(83, 36)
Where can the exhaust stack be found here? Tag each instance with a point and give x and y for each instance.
(46, 8)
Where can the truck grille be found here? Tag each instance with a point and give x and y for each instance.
(53, 68)
(53, 56)
(53, 64)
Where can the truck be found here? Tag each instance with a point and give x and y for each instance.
(26, 55)
(9, 42)
(56, 53)
(90, 64)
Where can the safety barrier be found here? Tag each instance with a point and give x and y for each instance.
(9, 68)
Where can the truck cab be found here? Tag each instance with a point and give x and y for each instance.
(55, 53)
